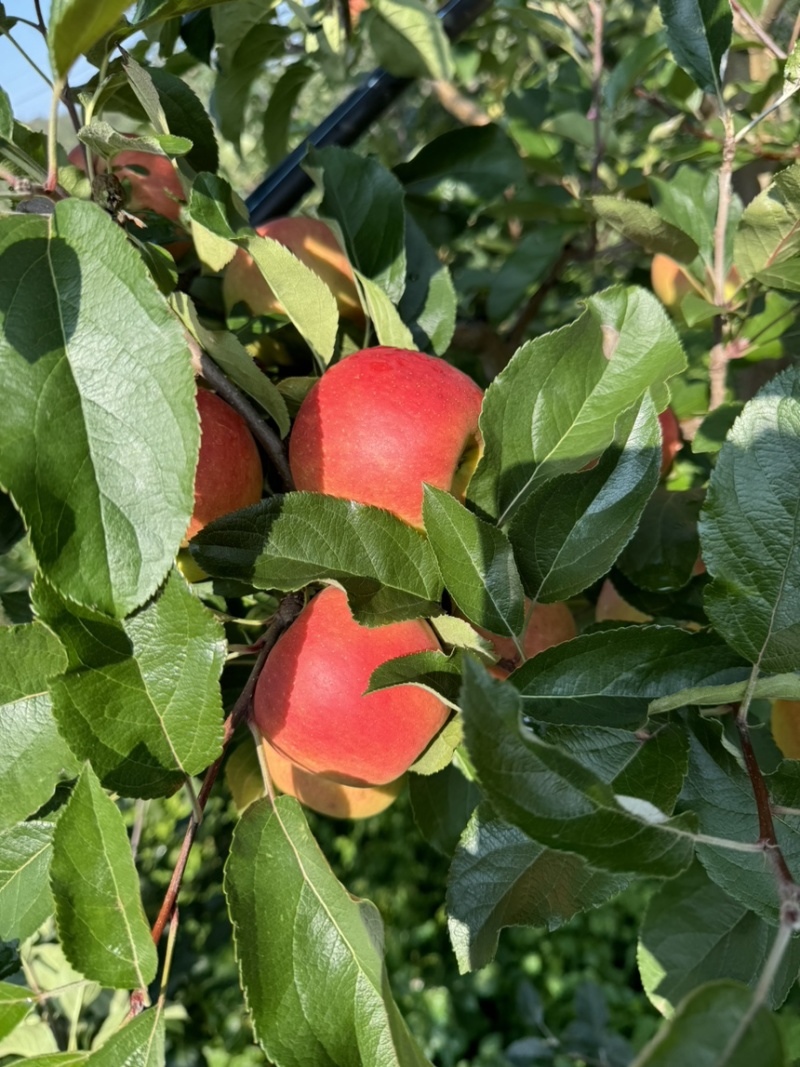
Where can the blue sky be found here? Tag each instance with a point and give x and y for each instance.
(30, 97)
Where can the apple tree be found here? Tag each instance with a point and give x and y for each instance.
(592, 211)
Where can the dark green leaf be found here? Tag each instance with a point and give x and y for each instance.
(386, 567)
(699, 35)
(187, 117)
(140, 1043)
(522, 272)
(75, 25)
(610, 676)
(34, 754)
(749, 529)
(99, 911)
(238, 69)
(6, 116)
(476, 563)
(366, 201)
(639, 223)
(12, 527)
(631, 66)
(429, 301)
(476, 163)
(435, 671)
(717, 1024)
(104, 482)
(25, 898)
(665, 548)
(140, 698)
(500, 877)
(442, 804)
(409, 40)
(277, 117)
(695, 933)
(553, 796)
(688, 201)
(553, 409)
(310, 955)
(161, 10)
(570, 530)
(714, 428)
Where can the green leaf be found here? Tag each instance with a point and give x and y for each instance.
(140, 698)
(386, 567)
(278, 115)
(442, 804)
(57, 1059)
(473, 164)
(717, 1023)
(16, 1003)
(231, 357)
(409, 40)
(239, 66)
(147, 11)
(107, 142)
(570, 530)
(476, 562)
(767, 240)
(437, 672)
(500, 877)
(699, 35)
(553, 409)
(639, 223)
(665, 548)
(694, 933)
(308, 301)
(140, 1043)
(6, 116)
(610, 676)
(429, 302)
(25, 898)
(104, 482)
(35, 756)
(310, 955)
(218, 215)
(749, 529)
(12, 528)
(389, 327)
(101, 922)
(366, 201)
(714, 428)
(630, 67)
(440, 752)
(75, 25)
(688, 201)
(559, 800)
(776, 687)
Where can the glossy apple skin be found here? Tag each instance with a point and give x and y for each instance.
(549, 625)
(786, 727)
(229, 474)
(315, 245)
(152, 180)
(383, 421)
(309, 705)
(327, 797)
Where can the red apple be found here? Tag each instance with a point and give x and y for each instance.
(228, 474)
(548, 625)
(309, 701)
(671, 440)
(325, 796)
(383, 421)
(152, 180)
(315, 245)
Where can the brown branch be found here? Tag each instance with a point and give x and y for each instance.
(459, 106)
(787, 889)
(264, 434)
(758, 30)
(287, 612)
(595, 112)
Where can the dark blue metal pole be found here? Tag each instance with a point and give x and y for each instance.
(287, 183)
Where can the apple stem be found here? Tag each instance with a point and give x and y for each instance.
(264, 434)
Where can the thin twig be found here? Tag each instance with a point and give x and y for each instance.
(264, 434)
(595, 112)
(758, 30)
(25, 56)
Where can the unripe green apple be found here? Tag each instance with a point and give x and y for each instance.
(548, 625)
(383, 421)
(786, 727)
(309, 701)
(315, 245)
(325, 796)
(228, 474)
